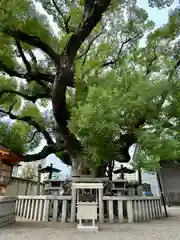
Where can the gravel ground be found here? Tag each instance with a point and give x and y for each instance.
(165, 229)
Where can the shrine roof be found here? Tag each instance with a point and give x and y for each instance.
(10, 157)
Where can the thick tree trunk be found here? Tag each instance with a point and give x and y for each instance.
(65, 71)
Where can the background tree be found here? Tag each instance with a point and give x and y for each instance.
(29, 172)
(106, 91)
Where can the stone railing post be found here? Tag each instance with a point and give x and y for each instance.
(111, 211)
(55, 210)
(101, 206)
(73, 205)
(64, 211)
(46, 210)
(130, 211)
(120, 211)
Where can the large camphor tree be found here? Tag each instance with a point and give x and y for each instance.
(89, 78)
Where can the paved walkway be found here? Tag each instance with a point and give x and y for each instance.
(164, 229)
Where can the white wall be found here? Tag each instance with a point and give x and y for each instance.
(20, 186)
(152, 180)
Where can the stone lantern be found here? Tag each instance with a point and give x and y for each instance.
(8, 159)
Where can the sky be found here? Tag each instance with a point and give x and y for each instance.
(160, 17)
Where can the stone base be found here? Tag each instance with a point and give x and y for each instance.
(87, 228)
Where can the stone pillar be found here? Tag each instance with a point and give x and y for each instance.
(46, 211)
(140, 191)
(120, 212)
(73, 205)
(64, 211)
(130, 211)
(111, 212)
(55, 210)
(135, 211)
(101, 206)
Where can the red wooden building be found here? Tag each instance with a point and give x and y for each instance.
(8, 159)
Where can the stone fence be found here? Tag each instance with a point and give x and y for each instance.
(113, 209)
(7, 210)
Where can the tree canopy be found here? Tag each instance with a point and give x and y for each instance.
(89, 78)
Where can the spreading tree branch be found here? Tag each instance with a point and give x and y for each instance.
(34, 76)
(150, 63)
(90, 44)
(47, 150)
(33, 57)
(112, 62)
(148, 70)
(11, 72)
(26, 63)
(32, 137)
(65, 21)
(32, 98)
(31, 122)
(33, 41)
(93, 12)
(84, 54)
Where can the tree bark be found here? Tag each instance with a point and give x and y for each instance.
(65, 71)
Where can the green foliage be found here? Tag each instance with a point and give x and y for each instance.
(149, 163)
(33, 111)
(8, 99)
(13, 136)
(118, 82)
